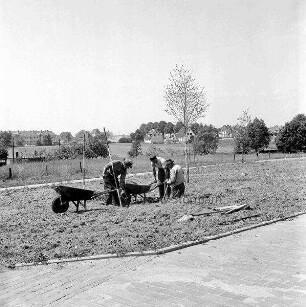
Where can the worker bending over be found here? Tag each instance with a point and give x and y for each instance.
(112, 172)
(176, 180)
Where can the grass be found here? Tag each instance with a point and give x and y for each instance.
(30, 231)
(63, 170)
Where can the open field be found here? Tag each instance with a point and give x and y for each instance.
(30, 231)
(63, 170)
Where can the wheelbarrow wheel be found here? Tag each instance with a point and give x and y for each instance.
(58, 206)
(125, 199)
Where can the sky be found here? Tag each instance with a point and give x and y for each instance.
(68, 65)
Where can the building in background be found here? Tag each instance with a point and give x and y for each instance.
(65, 137)
(79, 137)
(181, 135)
(32, 137)
(154, 137)
(226, 132)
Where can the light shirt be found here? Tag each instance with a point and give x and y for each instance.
(160, 163)
(176, 175)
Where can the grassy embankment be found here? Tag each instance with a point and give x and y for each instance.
(30, 231)
(62, 170)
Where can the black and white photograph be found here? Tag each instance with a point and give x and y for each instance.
(152, 153)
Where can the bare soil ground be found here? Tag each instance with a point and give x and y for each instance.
(30, 231)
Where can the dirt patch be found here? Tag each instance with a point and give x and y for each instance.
(30, 231)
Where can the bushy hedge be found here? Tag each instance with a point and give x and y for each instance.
(93, 150)
(125, 140)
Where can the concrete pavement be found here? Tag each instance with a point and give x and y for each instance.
(261, 267)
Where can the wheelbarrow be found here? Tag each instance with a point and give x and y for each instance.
(134, 190)
(75, 195)
(80, 196)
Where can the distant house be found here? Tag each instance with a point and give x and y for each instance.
(33, 136)
(226, 131)
(180, 136)
(154, 137)
(273, 133)
(274, 130)
(65, 137)
(79, 137)
(55, 138)
(170, 138)
(30, 137)
(95, 132)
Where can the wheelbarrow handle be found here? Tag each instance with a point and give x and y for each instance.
(158, 185)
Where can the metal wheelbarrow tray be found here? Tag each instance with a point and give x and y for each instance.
(133, 189)
(75, 195)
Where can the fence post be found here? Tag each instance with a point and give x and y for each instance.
(10, 173)
(81, 167)
(46, 169)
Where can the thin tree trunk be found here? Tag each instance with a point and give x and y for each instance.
(186, 159)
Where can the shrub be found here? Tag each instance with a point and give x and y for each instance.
(3, 153)
(89, 153)
(292, 137)
(135, 149)
(69, 151)
(125, 140)
(152, 150)
(99, 149)
(206, 141)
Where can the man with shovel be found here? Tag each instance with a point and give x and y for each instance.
(112, 172)
(159, 167)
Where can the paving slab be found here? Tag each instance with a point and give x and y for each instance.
(261, 267)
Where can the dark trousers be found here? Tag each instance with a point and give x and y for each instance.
(162, 175)
(110, 185)
(178, 190)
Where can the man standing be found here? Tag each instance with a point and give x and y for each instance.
(176, 180)
(112, 172)
(158, 164)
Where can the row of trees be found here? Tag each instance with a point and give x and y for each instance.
(255, 135)
(162, 127)
(7, 139)
(96, 147)
(250, 134)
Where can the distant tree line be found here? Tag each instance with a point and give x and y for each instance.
(96, 147)
(255, 135)
(162, 127)
(248, 135)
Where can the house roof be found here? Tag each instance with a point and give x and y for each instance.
(95, 132)
(28, 133)
(80, 134)
(65, 133)
(274, 128)
(181, 132)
